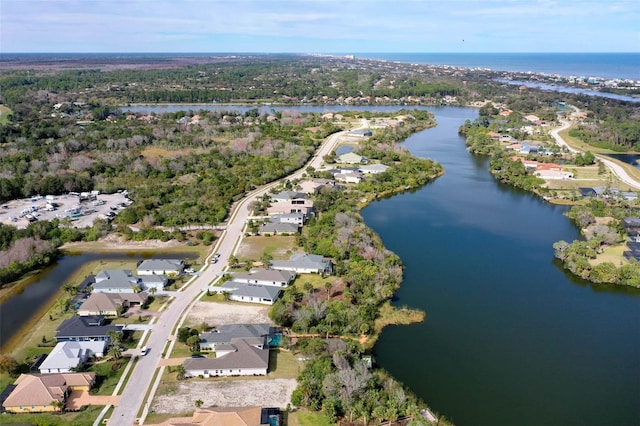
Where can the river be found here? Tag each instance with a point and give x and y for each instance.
(36, 292)
(509, 338)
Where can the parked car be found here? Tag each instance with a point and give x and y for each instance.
(144, 351)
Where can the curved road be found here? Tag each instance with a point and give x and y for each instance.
(136, 387)
(615, 168)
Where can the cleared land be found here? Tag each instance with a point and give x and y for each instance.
(225, 393)
(278, 247)
(214, 313)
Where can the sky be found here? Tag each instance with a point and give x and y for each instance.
(320, 26)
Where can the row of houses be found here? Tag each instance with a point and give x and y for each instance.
(264, 286)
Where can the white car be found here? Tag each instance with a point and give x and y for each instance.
(144, 351)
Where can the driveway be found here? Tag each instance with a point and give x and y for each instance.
(77, 399)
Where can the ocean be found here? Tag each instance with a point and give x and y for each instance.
(605, 65)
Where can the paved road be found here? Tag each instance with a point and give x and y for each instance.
(615, 168)
(134, 392)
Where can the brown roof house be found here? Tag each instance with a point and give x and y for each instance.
(108, 303)
(45, 393)
(228, 416)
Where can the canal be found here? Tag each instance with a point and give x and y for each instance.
(35, 293)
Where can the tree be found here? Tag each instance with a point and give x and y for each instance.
(308, 287)
(115, 337)
(62, 304)
(182, 373)
(226, 295)
(153, 290)
(8, 364)
(115, 353)
(194, 343)
(57, 405)
(327, 286)
(198, 403)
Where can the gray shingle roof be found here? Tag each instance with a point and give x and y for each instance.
(226, 333)
(81, 327)
(245, 356)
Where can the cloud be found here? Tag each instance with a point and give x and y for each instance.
(306, 25)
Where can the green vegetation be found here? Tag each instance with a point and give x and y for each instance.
(84, 417)
(578, 256)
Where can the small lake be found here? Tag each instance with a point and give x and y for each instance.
(633, 159)
(37, 292)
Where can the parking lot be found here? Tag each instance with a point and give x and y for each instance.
(81, 208)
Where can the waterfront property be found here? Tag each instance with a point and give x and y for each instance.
(249, 293)
(270, 277)
(303, 263)
(291, 218)
(224, 334)
(278, 228)
(242, 357)
(373, 169)
(351, 158)
(232, 416)
(108, 304)
(286, 196)
(123, 281)
(172, 267)
(87, 328)
(45, 393)
(68, 355)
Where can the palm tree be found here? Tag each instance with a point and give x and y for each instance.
(198, 403)
(194, 343)
(327, 286)
(115, 353)
(153, 290)
(226, 295)
(136, 288)
(58, 405)
(115, 337)
(181, 372)
(62, 304)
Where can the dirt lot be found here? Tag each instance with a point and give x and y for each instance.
(216, 314)
(226, 393)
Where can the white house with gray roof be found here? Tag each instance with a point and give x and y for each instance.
(223, 335)
(161, 267)
(123, 281)
(262, 276)
(284, 196)
(278, 228)
(249, 293)
(68, 355)
(373, 169)
(241, 357)
(303, 263)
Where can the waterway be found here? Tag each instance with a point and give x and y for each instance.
(509, 338)
(36, 292)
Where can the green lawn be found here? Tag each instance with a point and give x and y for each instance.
(278, 247)
(307, 418)
(283, 365)
(107, 376)
(79, 418)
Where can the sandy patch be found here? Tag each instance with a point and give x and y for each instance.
(227, 393)
(215, 314)
(118, 242)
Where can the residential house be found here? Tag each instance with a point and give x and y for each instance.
(348, 176)
(161, 267)
(242, 357)
(249, 293)
(123, 281)
(526, 148)
(360, 133)
(311, 186)
(68, 355)
(45, 393)
(285, 196)
(107, 304)
(270, 277)
(298, 205)
(373, 169)
(292, 218)
(351, 158)
(82, 329)
(224, 334)
(229, 416)
(278, 228)
(303, 263)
